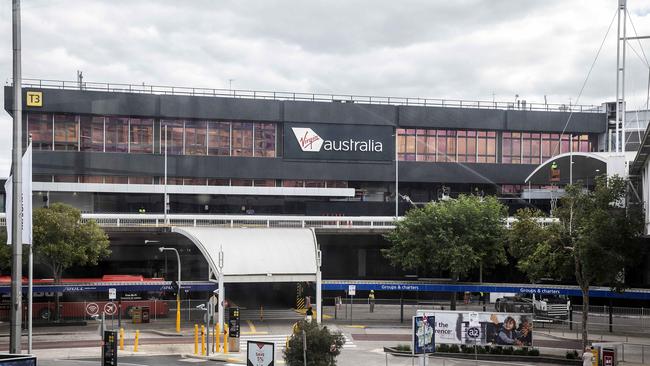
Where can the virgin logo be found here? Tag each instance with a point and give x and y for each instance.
(307, 139)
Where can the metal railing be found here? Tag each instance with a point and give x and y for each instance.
(301, 96)
(251, 221)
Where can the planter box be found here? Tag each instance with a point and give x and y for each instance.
(490, 357)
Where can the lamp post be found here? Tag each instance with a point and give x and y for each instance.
(396, 175)
(178, 292)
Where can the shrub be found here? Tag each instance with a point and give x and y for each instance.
(495, 350)
(483, 350)
(322, 345)
(533, 352)
(442, 348)
(572, 355)
(454, 348)
(507, 350)
(403, 347)
(520, 351)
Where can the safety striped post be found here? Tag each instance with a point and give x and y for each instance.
(121, 339)
(225, 338)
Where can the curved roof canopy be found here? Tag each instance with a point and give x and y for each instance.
(257, 255)
(586, 167)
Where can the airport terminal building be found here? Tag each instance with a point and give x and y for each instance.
(110, 149)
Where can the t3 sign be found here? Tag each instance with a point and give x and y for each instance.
(338, 142)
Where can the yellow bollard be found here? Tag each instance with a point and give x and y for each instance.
(203, 340)
(121, 339)
(178, 314)
(217, 334)
(196, 339)
(225, 338)
(135, 342)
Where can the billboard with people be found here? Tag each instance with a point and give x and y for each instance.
(482, 328)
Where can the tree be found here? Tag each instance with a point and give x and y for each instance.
(456, 236)
(62, 240)
(322, 345)
(598, 235)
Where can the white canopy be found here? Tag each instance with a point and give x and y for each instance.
(258, 255)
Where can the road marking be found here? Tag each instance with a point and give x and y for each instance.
(356, 326)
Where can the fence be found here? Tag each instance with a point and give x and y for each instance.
(312, 97)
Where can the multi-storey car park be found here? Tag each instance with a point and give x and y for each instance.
(232, 158)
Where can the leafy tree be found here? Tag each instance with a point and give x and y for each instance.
(5, 251)
(62, 240)
(456, 236)
(322, 345)
(598, 235)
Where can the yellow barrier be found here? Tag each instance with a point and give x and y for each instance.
(196, 339)
(135, 342)
(225, 338)
(121, 339)
(217, 334)
(203, 340)
(178, 315)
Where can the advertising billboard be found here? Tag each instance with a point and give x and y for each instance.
(424, 334)
(338, 142)
(482, 328)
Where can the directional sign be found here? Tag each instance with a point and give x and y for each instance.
(112, 293)
(474, 332)
(260, 353)
(352, 290)
(92, 309)
(110, 308)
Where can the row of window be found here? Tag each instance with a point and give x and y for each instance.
(447, 145)
(481, 146)
(191, 181)
(136, 135)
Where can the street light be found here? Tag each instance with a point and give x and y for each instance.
(178, 292)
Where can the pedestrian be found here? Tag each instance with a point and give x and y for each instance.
(588, 357)
(309, 314)
(371, 300)
(481, 298)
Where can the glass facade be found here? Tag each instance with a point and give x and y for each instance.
(534, 148)
(137, 135)
(466, 146)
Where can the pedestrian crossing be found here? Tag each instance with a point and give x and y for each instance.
(281, 341)
(271, 314)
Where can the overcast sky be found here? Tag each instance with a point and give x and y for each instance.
(460, 49)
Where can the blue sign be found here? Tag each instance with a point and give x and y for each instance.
(638, 294)
(424, 334)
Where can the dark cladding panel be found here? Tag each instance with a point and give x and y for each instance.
(91, 163)
(90, 102)
(339, 113)
(555, 121)
(176, 106)
(456, 118)
(464, 173)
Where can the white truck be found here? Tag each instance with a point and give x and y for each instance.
(545, 306)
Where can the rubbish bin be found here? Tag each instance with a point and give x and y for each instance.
(136, 314)
(145, 314)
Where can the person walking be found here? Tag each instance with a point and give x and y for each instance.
(309, 314)
(588, 357)
(371, 300)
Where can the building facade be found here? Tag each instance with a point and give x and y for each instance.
(104, 151)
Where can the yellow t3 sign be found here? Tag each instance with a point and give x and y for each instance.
(34, 99)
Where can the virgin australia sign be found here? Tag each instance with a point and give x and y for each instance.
(338, 142)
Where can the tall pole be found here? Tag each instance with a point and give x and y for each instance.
(165, 198)
(396, 176)
(16, 222)
(620, 77)
(30, 288)
(222, 291)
